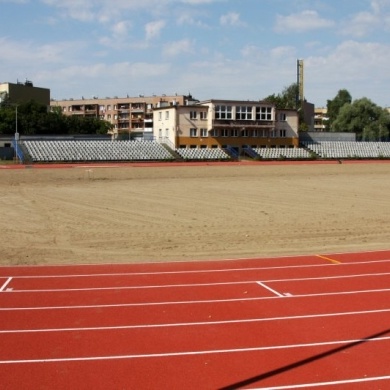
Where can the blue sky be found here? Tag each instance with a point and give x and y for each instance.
(213, 49)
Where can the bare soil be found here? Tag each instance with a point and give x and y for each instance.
(138, 214)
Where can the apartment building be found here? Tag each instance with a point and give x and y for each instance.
(320, 119)
(130, 117)
(24, 92)
(219, 123)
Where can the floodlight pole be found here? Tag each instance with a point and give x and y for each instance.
(16, 133)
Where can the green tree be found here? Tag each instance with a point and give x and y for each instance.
(35, 119)
(7, 120)
(286, 99)
(333, 106)
(363, 117)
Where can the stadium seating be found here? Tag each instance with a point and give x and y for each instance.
(141, 150)
(283, 153)
(202, 154)
(350, 149)
(75, 151)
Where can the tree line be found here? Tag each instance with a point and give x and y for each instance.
(34, 119)
(363, 117)
(367, 120)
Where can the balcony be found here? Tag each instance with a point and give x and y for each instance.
(243, 124)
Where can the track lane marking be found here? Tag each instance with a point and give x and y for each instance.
(333, 261)
(194, 353)
(204, 323)
(198, 284)
(318, 384)
(271, 290)
(190, 302)
(189, 271)
(3, 287)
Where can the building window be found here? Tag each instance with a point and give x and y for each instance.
(255, 133)
(192, 114)
(160, 116)
(245, 133)
(166, 114)
(282, 117)
(224, 133)
(262, 133)
(264, 113)
(203, 133)
(193, 132)
(223, 112)
(244, 113)
(214, 133)
(234, 132)
(203, 115)
(283, 133)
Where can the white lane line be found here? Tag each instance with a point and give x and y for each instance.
(207, 323)
(3, 287)
(198, 284)
(201, 271)
(190, 302)
(137, 287)
(270, 289)
(194, 353)
(334, 383)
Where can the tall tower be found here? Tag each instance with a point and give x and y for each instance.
(300, 96)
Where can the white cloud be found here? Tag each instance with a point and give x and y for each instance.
(153, 29)
(99, 79)
(35, 55)
(81, 10)
(15, 1)
(360, 67)
(363, 23)
(282, 52)
(119, 38)
(120, 29)
(196, 2)
(190, 18)
(173, 49)
(231, 19)
(301, 22)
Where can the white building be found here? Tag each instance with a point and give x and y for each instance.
(220, 123)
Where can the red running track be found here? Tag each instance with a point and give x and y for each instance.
(281, 323)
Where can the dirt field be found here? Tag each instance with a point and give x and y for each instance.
(134, 214)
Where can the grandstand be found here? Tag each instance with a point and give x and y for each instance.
(94, 150)
(57, 150)
(283, 153)
(202, 154)
(349, 149)
(77, 151)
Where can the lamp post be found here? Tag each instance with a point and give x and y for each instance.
(16, 134)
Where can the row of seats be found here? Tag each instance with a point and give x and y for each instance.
(202, 154)
(289, 153)
(42, 151)
(350, 149)
(140, 150)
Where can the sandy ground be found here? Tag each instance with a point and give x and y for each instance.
(136, 214)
